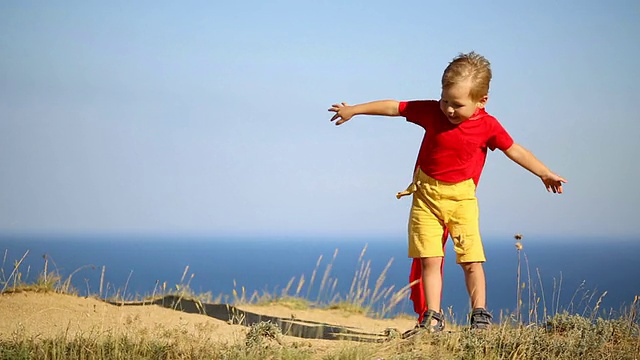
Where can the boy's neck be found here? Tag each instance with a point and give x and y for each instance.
(478, 114)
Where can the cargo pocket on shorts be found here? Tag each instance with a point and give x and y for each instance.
(468, 247)
(460, 246)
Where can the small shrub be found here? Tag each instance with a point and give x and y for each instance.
(262, 331)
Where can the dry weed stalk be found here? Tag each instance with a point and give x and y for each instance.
(518, 238)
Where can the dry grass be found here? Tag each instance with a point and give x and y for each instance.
(563, 337)
(536, 330)
(377, 302)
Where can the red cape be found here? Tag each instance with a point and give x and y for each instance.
(417, 290)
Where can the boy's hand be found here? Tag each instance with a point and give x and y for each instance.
(553, 182)
(342, 113)
(525, 158)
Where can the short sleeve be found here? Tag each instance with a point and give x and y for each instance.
(419, 112)
(500, 138)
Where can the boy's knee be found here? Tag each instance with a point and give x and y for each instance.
(469, 267)
(429, 262)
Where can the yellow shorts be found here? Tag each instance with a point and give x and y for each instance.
(437, 205)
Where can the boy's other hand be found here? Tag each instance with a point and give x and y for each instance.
(553, 182)
(342, 113)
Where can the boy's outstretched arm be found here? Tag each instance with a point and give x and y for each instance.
(525, 158)
(344, 112)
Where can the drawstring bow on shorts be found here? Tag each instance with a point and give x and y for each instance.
(413, 187)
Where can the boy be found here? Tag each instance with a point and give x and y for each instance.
(458, 132)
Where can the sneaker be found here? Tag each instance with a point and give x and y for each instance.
(480, 319)
(427, 319)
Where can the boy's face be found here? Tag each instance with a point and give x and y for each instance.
(457, 104)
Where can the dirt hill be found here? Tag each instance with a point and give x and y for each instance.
(47, 315)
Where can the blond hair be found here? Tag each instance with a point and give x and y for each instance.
(471, 66)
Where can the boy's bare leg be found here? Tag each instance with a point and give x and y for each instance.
(476, 284)
(432, 282)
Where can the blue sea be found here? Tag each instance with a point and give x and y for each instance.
(566, 274)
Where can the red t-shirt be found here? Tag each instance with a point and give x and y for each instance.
(454, 153)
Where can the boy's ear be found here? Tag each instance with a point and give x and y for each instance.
(483, 101)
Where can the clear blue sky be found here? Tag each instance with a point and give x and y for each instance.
(211, 117)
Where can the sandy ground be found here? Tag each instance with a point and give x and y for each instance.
(50, 315)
